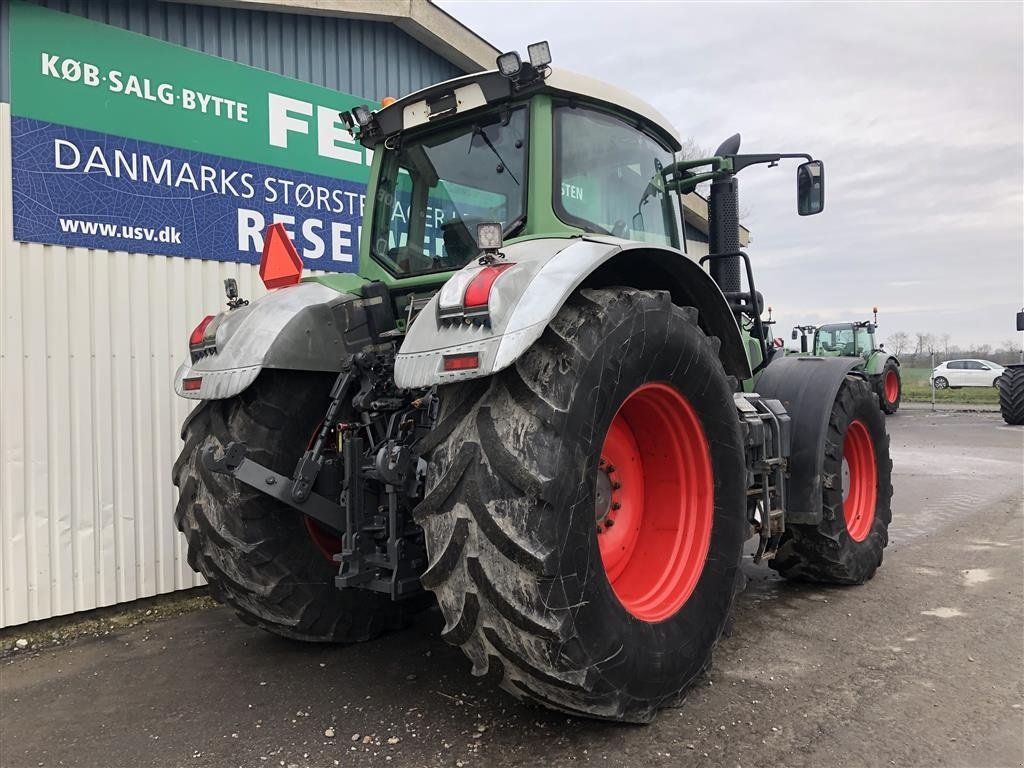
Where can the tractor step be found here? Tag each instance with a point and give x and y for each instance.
(767, 437)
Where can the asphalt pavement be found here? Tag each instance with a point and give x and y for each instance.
(923, 666)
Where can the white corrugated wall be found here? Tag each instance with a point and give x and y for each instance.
(89, 423)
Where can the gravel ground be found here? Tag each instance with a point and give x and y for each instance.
(920, 667)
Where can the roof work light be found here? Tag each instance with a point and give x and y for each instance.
(539, 53)
(509, 64)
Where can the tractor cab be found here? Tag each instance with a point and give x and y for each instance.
(533, 150)
(844, 340)
(856, 339)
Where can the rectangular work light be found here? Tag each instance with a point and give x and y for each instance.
(509, 64)
(488, 236)
(540, 54)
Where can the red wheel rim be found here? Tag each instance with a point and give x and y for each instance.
(860, 481)
(892, 386)
(655, 502)
(328, 544)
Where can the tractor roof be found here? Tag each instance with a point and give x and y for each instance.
(464, 94)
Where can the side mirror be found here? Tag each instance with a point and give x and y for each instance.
(794, 334)
(871, 328)
(1020, 321)
(810, 188)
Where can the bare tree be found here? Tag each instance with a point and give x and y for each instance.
(944, 342)
(692, 150)
(924, 344)
(898, 342)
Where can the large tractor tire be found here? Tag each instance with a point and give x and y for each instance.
(259, 556)
(846, 546)
(585, 513)
(890, 387)
(1011, 394)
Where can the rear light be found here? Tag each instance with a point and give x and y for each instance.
(192, 384)
(478, 292)
(452, 292)
(199, 331)
(462, 362)
(280, 265)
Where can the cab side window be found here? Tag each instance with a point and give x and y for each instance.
(609, 177)
(864, 341)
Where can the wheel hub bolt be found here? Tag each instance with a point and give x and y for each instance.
(608, 523)
(616, 505)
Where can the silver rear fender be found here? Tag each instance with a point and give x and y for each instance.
(301, 327)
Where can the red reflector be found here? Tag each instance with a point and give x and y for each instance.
(191, 385)
(199, 331)
(479, 291)
(463, 362)
(280, 265)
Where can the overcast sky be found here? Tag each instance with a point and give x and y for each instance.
(917, 110)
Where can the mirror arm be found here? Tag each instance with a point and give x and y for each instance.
(692, 181)
(740, 162)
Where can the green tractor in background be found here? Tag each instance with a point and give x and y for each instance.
(857, 340)
(529, 401)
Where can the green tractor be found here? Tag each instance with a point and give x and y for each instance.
(857, 340)
(529, 407)
(1011, 387)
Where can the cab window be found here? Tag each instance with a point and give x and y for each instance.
(834, 340)
(609, 177)
(433, 191)
(863, 340)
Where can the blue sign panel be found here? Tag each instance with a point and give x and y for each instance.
(81, 188)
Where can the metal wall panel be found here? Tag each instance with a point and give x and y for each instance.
(89, 424)
(89, 339)
(370, 59)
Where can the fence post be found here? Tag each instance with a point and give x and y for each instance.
(933, 382)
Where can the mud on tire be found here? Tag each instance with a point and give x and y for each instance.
(1011, 394)
(509, 514)
(256, 553)
(846, 546)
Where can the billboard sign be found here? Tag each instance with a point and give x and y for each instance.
(122, 142)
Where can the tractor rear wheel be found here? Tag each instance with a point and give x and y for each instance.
(259, 556)
(585, 511)
(1011, 394)
(846, 546)
(890, 387)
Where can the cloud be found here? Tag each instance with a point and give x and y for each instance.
(916, 108)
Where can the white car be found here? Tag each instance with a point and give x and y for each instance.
(966, 373)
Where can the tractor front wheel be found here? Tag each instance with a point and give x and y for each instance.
(585, 514)
(846, 546)
(259, 556)
(890, 387)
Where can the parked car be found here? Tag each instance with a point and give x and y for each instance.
(966, 373)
